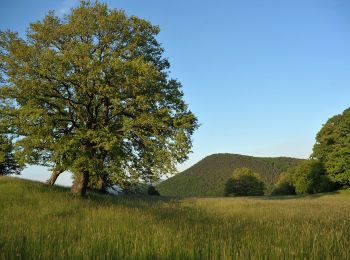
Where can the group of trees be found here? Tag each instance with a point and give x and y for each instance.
(328, 167)
(90, 93)
(308, 177)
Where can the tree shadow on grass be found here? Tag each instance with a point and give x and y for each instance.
(163, 208)
(306, 196)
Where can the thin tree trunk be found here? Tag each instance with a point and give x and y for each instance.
(54, 175)
(80, 183)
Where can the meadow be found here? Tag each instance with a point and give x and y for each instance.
(37, 222)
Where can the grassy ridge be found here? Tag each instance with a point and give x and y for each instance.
(41, 223)
(208, 177)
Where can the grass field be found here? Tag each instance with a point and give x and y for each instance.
(41, 223)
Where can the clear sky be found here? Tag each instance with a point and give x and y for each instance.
(262, 76)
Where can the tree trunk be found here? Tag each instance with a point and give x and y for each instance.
(80, 183)
(103, 184)
(54, 175)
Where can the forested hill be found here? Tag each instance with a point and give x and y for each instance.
(208, 176)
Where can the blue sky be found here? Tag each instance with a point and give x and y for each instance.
(261, 75)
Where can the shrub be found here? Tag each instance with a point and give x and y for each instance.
(244, 182)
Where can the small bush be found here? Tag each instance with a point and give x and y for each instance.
(244, 182)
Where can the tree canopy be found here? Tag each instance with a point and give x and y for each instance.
(332, 147)
(244, 182)
(307, 177)
(91, 93)
(284, 185)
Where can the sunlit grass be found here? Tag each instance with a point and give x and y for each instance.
(37, 222)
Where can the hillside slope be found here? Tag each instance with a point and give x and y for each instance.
(208, 176)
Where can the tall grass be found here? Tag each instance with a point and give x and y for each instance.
(37, 222)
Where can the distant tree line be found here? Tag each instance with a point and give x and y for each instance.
(307, 177)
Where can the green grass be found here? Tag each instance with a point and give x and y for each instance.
(37, 222)
(209, 176)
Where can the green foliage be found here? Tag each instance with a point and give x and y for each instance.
(284, 185)
(91, 93)
(8, 162)
(332, 148)
(97, 183)
(58, 225)
(244, 182)
(209, 176)
(309, 178)
(152, 191)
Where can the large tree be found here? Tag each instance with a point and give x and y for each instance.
(91, 93)
(332, 147)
